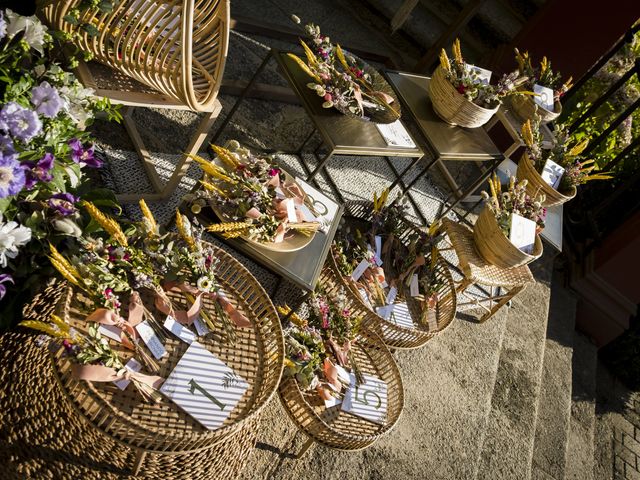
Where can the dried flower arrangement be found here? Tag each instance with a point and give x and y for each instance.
(542, 75)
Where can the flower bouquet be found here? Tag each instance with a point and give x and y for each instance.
(563, 166)
(461, 97)
(492, 231)
(256, 200)
(345, 82)
(318, 349)
(543, 76)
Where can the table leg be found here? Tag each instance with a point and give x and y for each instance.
(399, 181)
(512, 293)
(421, 174)
(306, 141)
(241, 98)
(403, 173)
(138, 461)
(305, 447)
(322, 166)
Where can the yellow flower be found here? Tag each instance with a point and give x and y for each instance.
(579, 148)
(226, 156)
(148, 215)
(527, 134)
(63, 266)
(182, 224)
(228, 226)
(107, 223)
(295, 319)
(212, 188)
(211, 169)
(444, 61)
(311, 58)
(457, 53)
(304, 67)
(544, 64)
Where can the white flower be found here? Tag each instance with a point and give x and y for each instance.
(12, 236)
(204, 284)
(68, 227)
(35, 32)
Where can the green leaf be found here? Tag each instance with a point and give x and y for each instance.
(105, 6)
(70, 19)
(91, 30)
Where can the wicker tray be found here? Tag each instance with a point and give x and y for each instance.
(257, 355)
(525, 108)
(394, 335)
(536, 185)
(331, 426)
(452, 107)
(496, 248)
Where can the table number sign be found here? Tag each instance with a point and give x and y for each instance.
(204, 386)
(395, 134)
(367, 400)
(552, 173)
(523, 233)
(401, 316)
(180, 331)
(483, 75)
(543, 96)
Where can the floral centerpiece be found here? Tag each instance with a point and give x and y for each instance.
(44, 154)
(543, 76)
(565, 153)
(343, 81)
(254, 198)
(493, 227)
(461, 97)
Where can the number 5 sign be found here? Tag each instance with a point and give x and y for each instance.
(204, 386)
(367, 400)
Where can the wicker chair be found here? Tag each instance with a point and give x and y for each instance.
(168, 54)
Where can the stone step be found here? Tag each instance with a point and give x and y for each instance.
(507, 446)
(580, 446)
(554, 403)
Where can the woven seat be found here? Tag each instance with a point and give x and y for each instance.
(168, 54)
(394, 335)
(257, 356)
(331, 426)
(43, 436)
(477, 271)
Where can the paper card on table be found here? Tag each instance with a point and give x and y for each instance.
(523, 233)
(385, 312)
(359, 270)
(180, 331)
(133, 366)
(482, 74)
(378, 240)
(552, 173)
(306, 213)
(543, 97)
(367, 400)
(414, 288)
(110, 331)
(204, 386)
(391, 296)
(324, 207)
(365, 297)
(201, 327)
(151, 340)
(401, 316)
(291, 210)
(394, 134)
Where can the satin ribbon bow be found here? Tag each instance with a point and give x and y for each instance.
(104, 316)
(100, 373)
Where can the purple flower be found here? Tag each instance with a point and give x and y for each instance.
(4, 278)
(63, 203)
(39, 172)
(12, 177)
(46, 100)
(6, 147)
(3, 33)
(22, 123)
(82, 155)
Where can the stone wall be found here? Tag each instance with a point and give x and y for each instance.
(626, 441)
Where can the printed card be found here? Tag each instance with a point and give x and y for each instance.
(391, 296)
(365, 297)
(151, 340)
(110, 331)
(552, 173)
(401, 316)
(543, 97)
(291, 210)
(133, 366)
(359, 270)
(385, 312)
(395, 134)
(414, 288)
(483, 75)
(378, 240)
(204, 386)
(523, 233)
(201, 327)
(180, 331)
(367, 400)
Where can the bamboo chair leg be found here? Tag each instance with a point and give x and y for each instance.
(138, 461)
(512, 293)
(310, 441)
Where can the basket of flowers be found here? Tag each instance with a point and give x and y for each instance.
(255, 199)
(344, 81)
(340, 385)
(492, 230)
(460, 97)
(563, 166)
(393, 268)
(526, 106)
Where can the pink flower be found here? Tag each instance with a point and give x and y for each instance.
(273, 172)
(328, 97)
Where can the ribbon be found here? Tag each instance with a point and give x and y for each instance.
(104, 316)
(418, 262)
(341, 353)
(386, 98)
(331, 374)
(189, 316)
(100, 373)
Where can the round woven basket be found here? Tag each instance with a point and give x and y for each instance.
(496, 248)
(452, 107)
(525, 108)
(331, 426)
(394, 335)
(536, 185)
(257, 355)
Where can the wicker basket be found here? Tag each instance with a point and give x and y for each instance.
(496, 248)
(394, 335)
(536, 185)
(452, 107)
(177, 47)
(331, 426)
(525, 108)
(257, 355)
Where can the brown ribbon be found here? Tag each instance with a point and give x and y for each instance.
(100, 373)
(104, 316)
